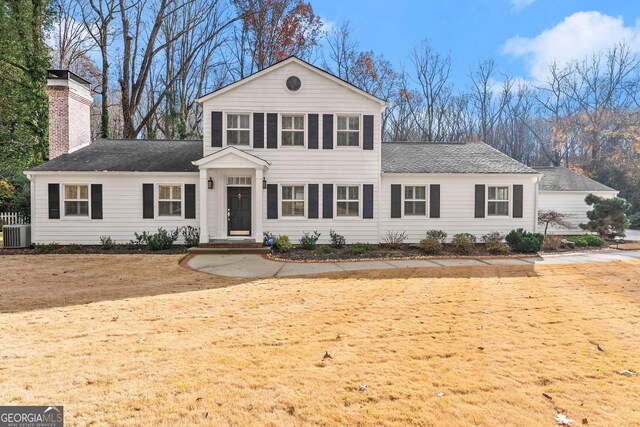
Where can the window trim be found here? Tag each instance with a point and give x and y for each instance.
(157, 201)
(281, 200)
(509, 188)
(426, 201)
(224, 129)
(304, 131)
(360, 131)
(63, 213)
(335, 200)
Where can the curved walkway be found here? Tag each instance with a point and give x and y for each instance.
(255, 266)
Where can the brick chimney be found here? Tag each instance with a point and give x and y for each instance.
(69, 112)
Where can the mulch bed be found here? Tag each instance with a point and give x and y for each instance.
(407, 251)
(91, 249)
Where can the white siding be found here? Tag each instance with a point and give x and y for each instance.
(457, 205)
(121, 206)
(344, 165)
(570, 203)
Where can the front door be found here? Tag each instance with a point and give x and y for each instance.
(239, 211)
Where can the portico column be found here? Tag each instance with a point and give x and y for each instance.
(204, 230)
(258, 204)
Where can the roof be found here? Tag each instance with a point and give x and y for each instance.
(282, 63)
(563, 179)
(431, 157)
(129, 155)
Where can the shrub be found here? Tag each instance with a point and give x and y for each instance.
(396, 254)
(496, 247)
(326, 250)
(608, 217)
(586, 240)
(525, 242)
(360, 248)
(393, 239)
(552, 243)
(309, 241)
(634, 220)
(159, 241)
(45, 248)
(107, 243)
(268, 239)
(438, 235)
(337, 240)
(283, 244)
(493, 237)
(554, 218)
(463, 243)
(138, 241)
(431, 246)
(191, 235)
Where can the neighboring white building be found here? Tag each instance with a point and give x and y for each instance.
(563, 190)
(289, 149)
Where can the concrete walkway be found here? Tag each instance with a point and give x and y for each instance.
(255, 266)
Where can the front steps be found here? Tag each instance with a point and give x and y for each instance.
(227, 247)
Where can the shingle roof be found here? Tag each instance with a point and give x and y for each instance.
(563, 179)
(129, 156)
(427, 157)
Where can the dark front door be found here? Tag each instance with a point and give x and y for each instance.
(239, 211)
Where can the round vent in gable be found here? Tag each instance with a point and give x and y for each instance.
(293, 83)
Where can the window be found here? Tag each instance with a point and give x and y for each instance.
(237, 129)
(415, 200)
(348, 131)
(169, 200)
(498, 201)
(293, 131)
(76, 200)
(348, 201)
(239, 180)
(292, 200)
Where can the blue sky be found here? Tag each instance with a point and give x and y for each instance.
(520, 35)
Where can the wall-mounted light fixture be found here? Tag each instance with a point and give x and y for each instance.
(264, 183)
(210, 183)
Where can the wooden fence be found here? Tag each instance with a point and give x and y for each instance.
(9, 218)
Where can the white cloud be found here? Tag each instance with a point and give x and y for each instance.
(576, 37)
(328, 25)
(518, 5)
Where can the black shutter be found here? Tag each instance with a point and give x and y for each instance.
(327, 200)
(313, 131)
(434, 201)
(272, 201)
(367, 128)
(96, 201)
(327, 131)
(147, 200)
(313, 201)
(258, 130)
(216, 128)
(396, 200)
(480, 195)
(189, 201)
(367, 201)
(54, 201)
(272, 130)
(517, 201)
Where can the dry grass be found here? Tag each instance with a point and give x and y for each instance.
(135, 340)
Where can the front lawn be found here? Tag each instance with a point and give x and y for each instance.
(137, 340)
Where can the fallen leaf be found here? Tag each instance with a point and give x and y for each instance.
(561, 419)
(440, 394)
(627, 373)
(548, 396)
(585, 421)
(326, 355)
(362, 387)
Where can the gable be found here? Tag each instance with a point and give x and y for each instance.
(267, 90)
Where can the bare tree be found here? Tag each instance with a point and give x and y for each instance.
(72, 43)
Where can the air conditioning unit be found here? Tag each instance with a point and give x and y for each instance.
(16, 236)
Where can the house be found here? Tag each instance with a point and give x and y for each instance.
(563, 190)
(287, 150)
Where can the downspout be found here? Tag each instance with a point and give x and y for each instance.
(535, 214)
(32, 203)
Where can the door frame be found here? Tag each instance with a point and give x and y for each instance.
(228, 212)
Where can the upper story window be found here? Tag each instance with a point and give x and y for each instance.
(293, 200)
(415, 200)
(169, 200)
(348, 200)
(76, 200)
(238, 129)
(498, 201)
(292, 130)
(348, 131)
